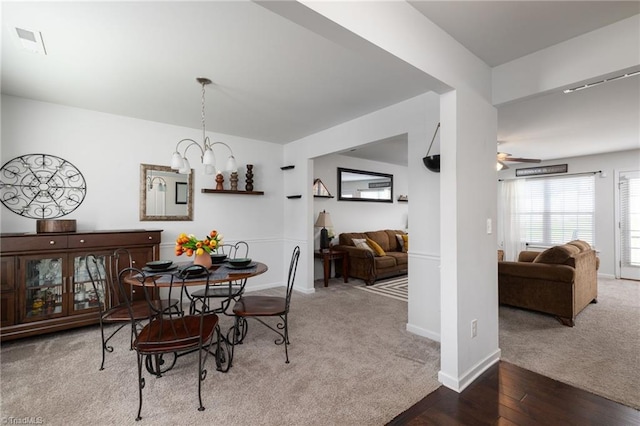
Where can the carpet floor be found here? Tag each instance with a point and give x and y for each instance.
(348, 367)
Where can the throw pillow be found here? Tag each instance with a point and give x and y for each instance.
(400, 241)
(554, 255)
(362, 243)
(405, 245)
(376, 247)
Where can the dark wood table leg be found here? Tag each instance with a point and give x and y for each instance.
(345, 268)
(327, 269)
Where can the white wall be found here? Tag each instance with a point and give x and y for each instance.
(109, 149)
(605, 189)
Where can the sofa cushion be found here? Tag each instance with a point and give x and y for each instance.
(362, 243)
(376, 247)
(401, 258)
(557, 254)
(384, 262)
(394, 244)
(381, 238)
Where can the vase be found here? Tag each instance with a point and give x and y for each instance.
(203, 260)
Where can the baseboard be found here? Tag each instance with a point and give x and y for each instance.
(607, 276)
(423, 332)
(459, 384)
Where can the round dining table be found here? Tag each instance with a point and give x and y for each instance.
(174, 277)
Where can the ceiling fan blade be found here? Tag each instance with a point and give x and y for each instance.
(522, 160)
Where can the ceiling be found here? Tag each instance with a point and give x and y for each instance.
(277, 81)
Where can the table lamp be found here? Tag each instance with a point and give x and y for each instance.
(323, 221)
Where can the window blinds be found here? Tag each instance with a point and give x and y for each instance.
(555, 210)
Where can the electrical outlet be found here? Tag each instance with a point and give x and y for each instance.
(489, 230)
(474, 328)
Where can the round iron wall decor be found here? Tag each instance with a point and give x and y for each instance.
(41, 186)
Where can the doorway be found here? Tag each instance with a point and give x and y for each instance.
(629, 224)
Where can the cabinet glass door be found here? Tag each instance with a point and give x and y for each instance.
(44, 287)
(84, 295)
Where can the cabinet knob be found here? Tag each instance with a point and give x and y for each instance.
(82, 241)
(133, 262)
(52, 242)
(151, 238)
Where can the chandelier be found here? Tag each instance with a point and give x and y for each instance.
(179, 160)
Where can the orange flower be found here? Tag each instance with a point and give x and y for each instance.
(189, 244)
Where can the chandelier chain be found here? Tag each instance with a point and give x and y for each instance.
(202, 117)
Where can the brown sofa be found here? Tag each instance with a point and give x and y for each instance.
(370, 266)
(560, 281)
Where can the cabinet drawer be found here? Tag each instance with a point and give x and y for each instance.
(114, 240)
(33, 243)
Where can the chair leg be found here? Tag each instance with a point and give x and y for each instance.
(140, 386)
(286, 339)
(104, 349)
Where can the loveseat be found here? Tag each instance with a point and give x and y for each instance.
(560, 281)
(385, 257)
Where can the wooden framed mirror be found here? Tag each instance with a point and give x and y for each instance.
(360, 185)
(165, 194)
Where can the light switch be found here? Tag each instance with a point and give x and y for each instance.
(489, 226)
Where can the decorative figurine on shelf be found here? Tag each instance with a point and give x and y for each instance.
(249, 186)
(219, 181)
(234, 181)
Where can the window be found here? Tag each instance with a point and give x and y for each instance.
(555, 210)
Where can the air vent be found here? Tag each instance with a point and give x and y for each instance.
(30, 40)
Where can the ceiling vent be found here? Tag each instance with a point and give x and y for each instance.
(30, 40)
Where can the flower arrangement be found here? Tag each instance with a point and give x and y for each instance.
(189, 244)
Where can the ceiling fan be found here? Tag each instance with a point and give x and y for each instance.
(503, 156)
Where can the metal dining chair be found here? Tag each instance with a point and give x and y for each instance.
(170, 334)
(102, 271)
(262, 307)
(225, 292)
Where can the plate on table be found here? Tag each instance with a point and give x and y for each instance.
(239, 262)
(170, 268)
(159, 264)
(249, 265)
(193, 272)
(218, 257)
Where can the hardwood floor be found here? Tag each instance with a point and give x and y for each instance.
(510, 395)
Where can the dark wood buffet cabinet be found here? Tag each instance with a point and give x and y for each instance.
(44, 286)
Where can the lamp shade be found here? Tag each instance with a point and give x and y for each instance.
(324, 220)
(208, 159)
(232, 166)
(176, 161)
(186, 167)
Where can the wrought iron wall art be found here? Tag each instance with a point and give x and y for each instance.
(41, 186)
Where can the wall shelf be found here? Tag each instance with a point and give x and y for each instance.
(294, 196)
(286, 167)
(228, 191)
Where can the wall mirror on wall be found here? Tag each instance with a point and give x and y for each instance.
(359, 185)
(165, 194)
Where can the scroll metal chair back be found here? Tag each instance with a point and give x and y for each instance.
(225, 292)
(113, 309)
(168, 334)
(259, 307)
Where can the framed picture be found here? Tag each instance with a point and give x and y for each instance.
(181, 193)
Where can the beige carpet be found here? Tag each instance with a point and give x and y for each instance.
(601, 354)
(352, 363)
